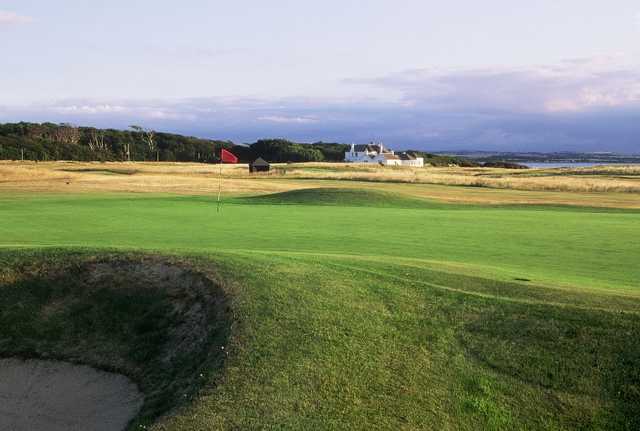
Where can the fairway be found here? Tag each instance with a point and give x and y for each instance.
(355, 309)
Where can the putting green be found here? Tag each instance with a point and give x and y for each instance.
(549, 245)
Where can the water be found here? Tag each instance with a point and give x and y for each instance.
(571, 164)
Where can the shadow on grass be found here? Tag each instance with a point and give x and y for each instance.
(103, 171)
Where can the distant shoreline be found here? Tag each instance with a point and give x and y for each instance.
(551, 165)
(549, 160)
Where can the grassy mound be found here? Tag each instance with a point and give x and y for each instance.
(339, 197)
(337, 343)
(162, 323)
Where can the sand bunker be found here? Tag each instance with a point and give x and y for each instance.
(40, 395)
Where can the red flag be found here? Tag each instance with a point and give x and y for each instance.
(227, 156)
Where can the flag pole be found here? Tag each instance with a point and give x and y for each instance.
(219, 184)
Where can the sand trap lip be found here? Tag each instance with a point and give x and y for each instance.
(43, 395)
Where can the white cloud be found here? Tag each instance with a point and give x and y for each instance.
(287, 120)
(572, 85)
(162, 114)
(142, 111)
(89, 109)
(9, 18)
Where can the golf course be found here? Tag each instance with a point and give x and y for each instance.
(328, 297)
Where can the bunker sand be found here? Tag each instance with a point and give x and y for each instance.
(39, 395)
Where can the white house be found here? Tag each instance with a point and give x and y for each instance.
(377, 153)
(407, 159)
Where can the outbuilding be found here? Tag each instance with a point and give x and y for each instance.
(259, 165)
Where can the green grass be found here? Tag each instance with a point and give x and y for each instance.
(338, 197)
(559, 247)
(367, 312)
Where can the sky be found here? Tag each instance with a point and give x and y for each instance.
(496, 75)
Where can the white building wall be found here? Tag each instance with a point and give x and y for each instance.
(366, 157)
(362, 157)
(417, 163)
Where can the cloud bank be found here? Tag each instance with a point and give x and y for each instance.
(571, 86)
(12, 18)
(576, 105)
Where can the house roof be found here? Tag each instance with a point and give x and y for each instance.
(389, 156)
(260, 162)
(372, 148)
(406, 156)
(367, 147)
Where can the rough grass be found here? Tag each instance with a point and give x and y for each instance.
(326, 344)
(549, 180)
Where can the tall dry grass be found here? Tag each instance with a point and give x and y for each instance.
(135, 177)
(600, 180)
(615, 187)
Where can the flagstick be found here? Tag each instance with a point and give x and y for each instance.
(219, 187)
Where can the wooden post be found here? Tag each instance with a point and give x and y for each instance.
(22, 154)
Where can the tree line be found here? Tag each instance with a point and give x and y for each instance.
(49, 141)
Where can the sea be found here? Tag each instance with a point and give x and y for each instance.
(572, 164)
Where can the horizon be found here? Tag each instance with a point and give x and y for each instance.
(494, 77)
(453, 151)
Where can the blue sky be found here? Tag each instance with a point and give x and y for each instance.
(494, 75)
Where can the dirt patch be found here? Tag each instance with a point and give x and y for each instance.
(40, 395)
